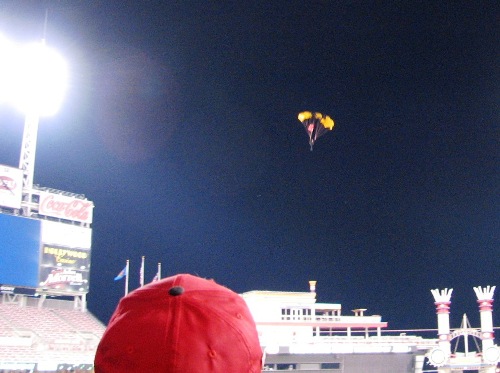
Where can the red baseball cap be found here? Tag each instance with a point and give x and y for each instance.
(181, 324)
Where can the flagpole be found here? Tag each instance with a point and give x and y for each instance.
(126, 276)
(142, 272)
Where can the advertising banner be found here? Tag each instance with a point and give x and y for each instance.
(65, 207)
(54, 256)
(64, 280)
(11, 187)
(64, 269)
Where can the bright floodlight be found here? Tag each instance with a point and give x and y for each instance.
(34, 78)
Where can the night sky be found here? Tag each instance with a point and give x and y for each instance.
(180, 124)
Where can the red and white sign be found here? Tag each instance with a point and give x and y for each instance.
(65, 207)
(11, 187)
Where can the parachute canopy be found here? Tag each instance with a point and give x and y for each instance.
(316, 125)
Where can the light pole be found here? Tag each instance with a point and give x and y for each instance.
(33, 79)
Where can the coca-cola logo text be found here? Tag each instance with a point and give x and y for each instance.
(74, 209)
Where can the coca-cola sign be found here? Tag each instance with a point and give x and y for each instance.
(64, 207)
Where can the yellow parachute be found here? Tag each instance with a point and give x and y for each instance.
(315, 124)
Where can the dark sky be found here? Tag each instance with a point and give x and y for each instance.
(180, 123)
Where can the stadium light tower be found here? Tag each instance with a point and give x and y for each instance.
(32, 79)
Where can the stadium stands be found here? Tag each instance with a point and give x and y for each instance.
(51, 335)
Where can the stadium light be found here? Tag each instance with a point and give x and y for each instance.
(33, 80)
(33, 77)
